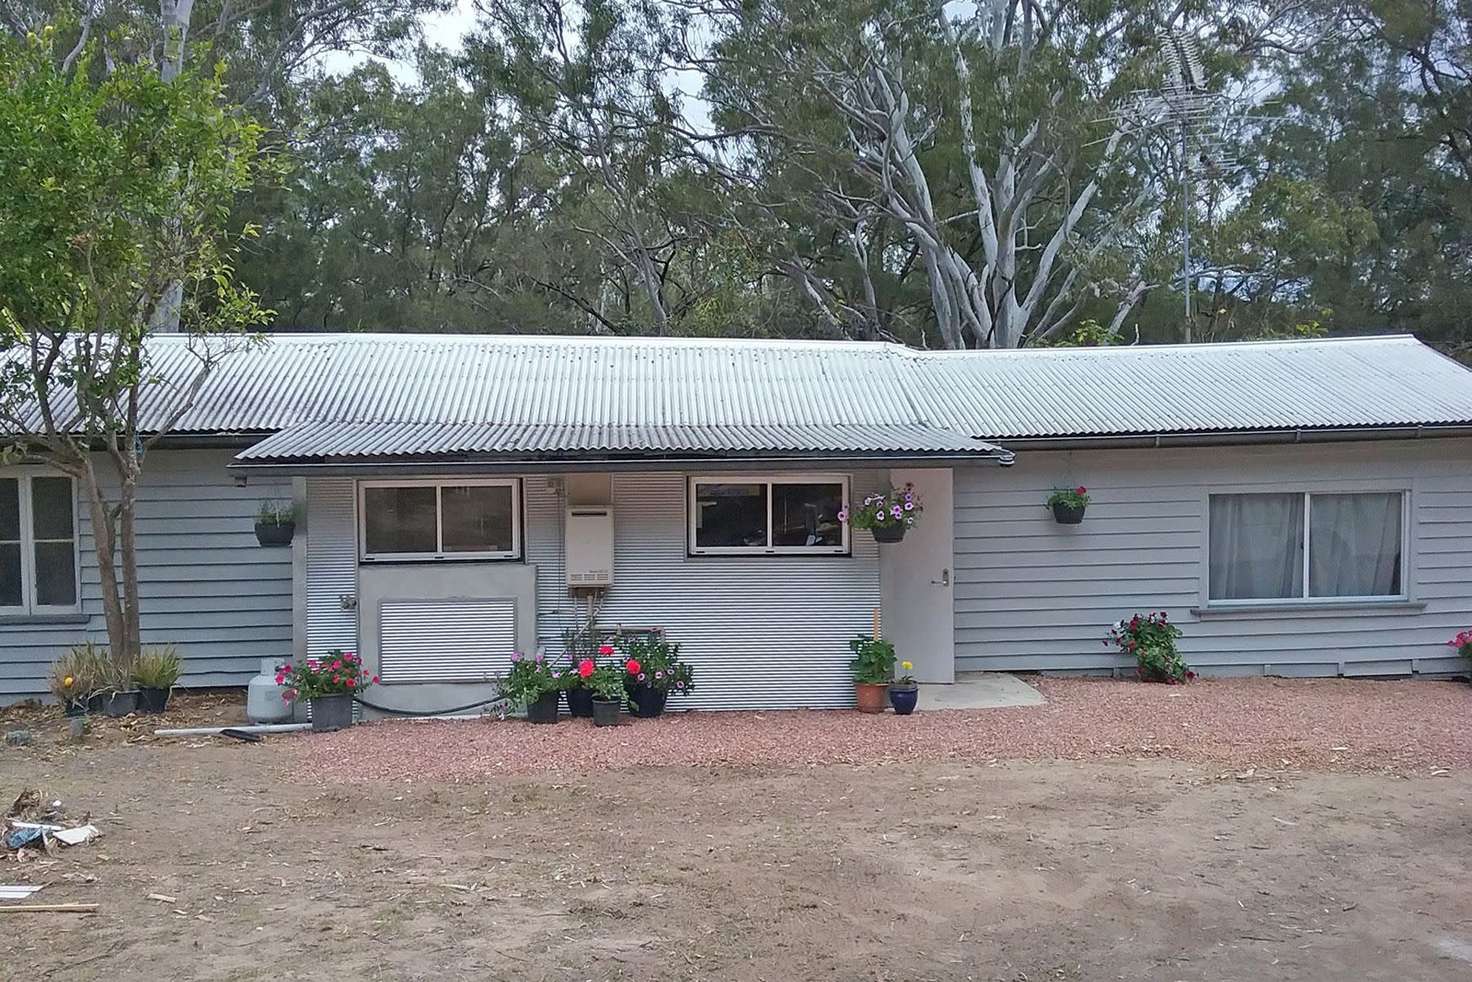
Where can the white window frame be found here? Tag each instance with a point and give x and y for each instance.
(439, 484)
(1307, 599)
(692, 497)
(28, 605)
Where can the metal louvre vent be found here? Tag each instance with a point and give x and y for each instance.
(445, 640)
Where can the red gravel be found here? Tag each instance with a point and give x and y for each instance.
(1269, 724)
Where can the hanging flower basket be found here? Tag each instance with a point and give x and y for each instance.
(887, 516)
(1068, 505)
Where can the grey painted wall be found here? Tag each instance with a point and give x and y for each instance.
(207, 585)
(1031, 594)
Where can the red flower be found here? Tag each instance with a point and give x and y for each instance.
(337, 665)
(633, 666)
(351, 682)
(375, 680)
(585, 667)
(605, 650)
(1080, 490)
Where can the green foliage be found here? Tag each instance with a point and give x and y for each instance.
(157, 667)
(607, 683)
(650, 660)
(1151, 640)
(277, 513)
(873, 660)
(338, 673)
(531, 677)
(1070, 497)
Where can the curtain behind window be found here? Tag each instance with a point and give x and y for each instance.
(1354, 545)
(1256, 546)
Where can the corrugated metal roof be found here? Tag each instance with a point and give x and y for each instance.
(504, 394)
(360, 440)
(1148, 389)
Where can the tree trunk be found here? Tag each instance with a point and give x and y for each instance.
(175, 15)
(128, 548)
(104, 542)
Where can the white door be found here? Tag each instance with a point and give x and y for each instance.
(915, 578)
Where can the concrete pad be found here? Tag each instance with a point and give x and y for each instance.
(978, 690)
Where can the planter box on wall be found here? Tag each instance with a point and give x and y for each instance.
(1068, 514)
(275, 533)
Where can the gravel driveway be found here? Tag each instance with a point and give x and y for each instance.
(1409, 727)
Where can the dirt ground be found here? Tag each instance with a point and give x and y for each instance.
(1124, 869)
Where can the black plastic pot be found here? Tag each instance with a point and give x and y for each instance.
(580, 703)
(646, 702)
(151, 700)
(331, 712)
(544, 710)
(889, 532)
(74, 708)
(95, 702)
(605, 712)
(117, 704)
(275, 533)
(903, 698)
(1066, 514)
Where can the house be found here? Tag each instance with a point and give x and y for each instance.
(1299, 507)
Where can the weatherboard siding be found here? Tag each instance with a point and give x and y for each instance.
(1034, 595)
(206, 584)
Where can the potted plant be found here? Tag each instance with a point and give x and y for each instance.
(903, 692)
(328, 684)
(1068, 504)
(72, 682)
(607, 684)
(1463, 643)
(119, 690)
(873, 666)
(533, 685)
(276, 523)
(155, 672)
(652, 670)
(1151, 640)
(581, 644)
(887, 516)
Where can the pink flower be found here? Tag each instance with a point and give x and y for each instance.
(289, 695)
(585, 667)
(605, 650)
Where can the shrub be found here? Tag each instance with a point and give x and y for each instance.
(157, 667)
(899, 506)
(339, 674)
(649, 659)
(531, 677)
(873, 661)
(1151, 640)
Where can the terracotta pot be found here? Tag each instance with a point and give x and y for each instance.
(871, 698)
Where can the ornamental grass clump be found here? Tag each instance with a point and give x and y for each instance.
(1151, 640)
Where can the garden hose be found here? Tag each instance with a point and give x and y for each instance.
(434, 712)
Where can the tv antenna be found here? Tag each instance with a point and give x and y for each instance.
(1204, 123)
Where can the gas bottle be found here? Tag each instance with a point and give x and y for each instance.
(263, 697)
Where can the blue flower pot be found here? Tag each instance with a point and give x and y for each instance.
(903, 698)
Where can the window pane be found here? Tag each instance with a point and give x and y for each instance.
(807, 514)
(51, 507)
(477, 518)
(56, 577)
(10, 574)
(399, 519)
(9, 510)
(730, 515)
(1354, 545)
(1256, 544)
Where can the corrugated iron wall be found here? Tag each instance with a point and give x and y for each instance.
(762, 631)
(332, 565)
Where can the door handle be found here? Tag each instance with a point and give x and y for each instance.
(945, 578)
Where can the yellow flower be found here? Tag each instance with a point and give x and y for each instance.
(67, 682)
(906, 665)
